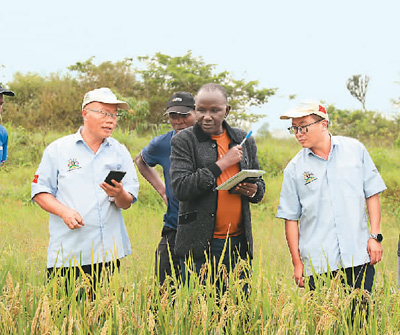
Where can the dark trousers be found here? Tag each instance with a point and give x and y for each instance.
(354, 277)
(92, 271)
(361, 277)
(166, 260)
(235, 249)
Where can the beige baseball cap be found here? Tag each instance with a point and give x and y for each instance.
(103, 95)
(304, 109)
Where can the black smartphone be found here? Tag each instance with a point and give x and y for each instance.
(116, 175)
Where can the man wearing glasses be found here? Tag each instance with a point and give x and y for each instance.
(322, 201)
(86, 224)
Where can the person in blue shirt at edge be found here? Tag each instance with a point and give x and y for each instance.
(3, 131)
(180, 110)
(86, 224)
(322, 201)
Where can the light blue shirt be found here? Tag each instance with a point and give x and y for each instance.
(71, 172)
(328, 197)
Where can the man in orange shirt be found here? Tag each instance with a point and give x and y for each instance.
(203, 157)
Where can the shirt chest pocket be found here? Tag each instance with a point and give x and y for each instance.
(349, 176)
(113, 162)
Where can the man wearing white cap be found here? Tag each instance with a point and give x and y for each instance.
(86, 224)
(3, 131)
(322, 201)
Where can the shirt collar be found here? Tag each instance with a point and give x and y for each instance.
(79, 138)
(334, 142)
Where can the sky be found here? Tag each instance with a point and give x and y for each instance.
(306, 48)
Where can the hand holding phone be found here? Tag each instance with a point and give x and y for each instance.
(116, 175)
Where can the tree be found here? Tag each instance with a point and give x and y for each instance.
(396, 102)
(367, 126)
(119, 76)
(263, 131)
(163, 75)
(44, 103)
(136, 116)
(357, 86)
(54, 101)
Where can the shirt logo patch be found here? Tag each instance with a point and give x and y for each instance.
(35, 179)
(73, 164)
(309, 177)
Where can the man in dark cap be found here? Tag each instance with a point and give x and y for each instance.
(3, 131)
(180, 110)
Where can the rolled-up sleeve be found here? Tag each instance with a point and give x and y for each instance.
(289, 205)
(373, 182)
(45, 179)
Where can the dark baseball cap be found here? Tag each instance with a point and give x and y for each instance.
(180, 103)
(6, 92)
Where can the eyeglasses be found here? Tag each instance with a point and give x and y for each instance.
(105, 114)
(295, 130)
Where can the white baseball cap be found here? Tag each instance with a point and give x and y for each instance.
(103, 95)
(304, 109)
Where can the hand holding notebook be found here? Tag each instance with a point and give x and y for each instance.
(240, 177)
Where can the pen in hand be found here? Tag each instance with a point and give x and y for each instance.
(247, 136)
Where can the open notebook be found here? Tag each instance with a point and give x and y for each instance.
(238, 177)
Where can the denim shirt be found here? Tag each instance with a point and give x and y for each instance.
(71, 172)
(328, 197)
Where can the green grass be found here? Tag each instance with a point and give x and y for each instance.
(132, 304)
